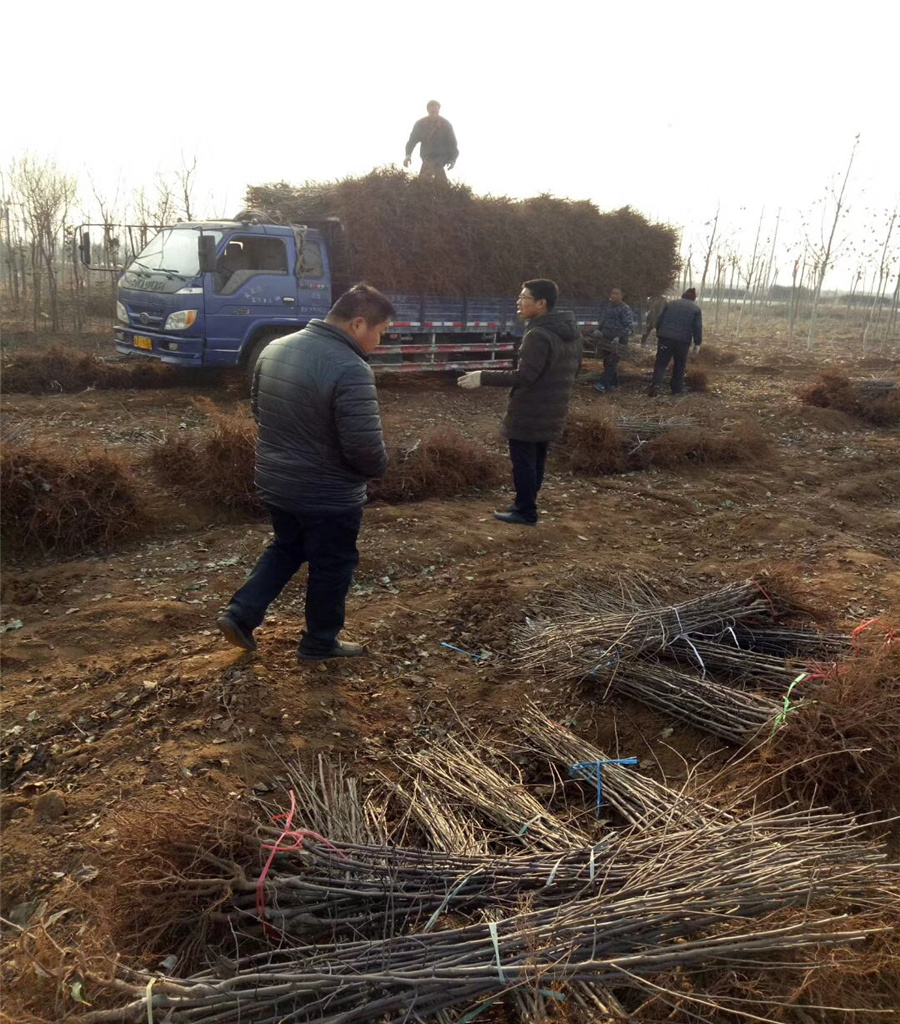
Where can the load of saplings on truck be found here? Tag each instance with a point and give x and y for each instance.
(406, 235)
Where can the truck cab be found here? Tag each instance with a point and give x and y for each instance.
(214, 293)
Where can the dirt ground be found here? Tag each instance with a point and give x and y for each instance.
(118, 690)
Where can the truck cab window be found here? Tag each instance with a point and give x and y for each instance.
(246, 256)
(310, 262)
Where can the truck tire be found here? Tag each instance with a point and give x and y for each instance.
(258, 345)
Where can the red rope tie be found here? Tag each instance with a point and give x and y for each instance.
(889, 635)
(298, 836)
(766, 595)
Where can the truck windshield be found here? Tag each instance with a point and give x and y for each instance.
(172, 251)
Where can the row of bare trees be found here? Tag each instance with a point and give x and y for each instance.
(43, 285)
(741, 281)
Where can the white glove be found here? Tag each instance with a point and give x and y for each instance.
(470, 380)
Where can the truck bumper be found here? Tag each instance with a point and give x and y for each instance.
(164, 347)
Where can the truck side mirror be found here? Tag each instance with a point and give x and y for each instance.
(84, 248)
(206, 254)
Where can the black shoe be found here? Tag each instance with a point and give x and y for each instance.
(515, 518)
(653, 391)
(341, 649)
(236, 633)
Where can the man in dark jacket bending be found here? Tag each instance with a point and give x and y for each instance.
(320, 441)
(678, 324)
(542, 386)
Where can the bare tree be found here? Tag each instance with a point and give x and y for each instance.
(720, 274)
(687, 272)
(750, 273)
(892, 320)
(185, 178)
(824, 252)
(11, 240)
(767, 281)
(885, 260)
(710, 246)
(46, 194)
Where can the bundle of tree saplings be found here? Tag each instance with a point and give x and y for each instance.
(682, 658)
(718, 894)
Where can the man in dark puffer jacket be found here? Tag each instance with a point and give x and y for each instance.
(320, 441)
(542, 386)
(678, 324)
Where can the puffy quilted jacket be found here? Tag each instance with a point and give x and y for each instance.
(320, 438)
(543, 382)
(680, 320)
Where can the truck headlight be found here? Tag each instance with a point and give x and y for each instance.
(181, 320)
(121, 312)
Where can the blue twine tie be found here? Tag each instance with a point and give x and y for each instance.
(459, 650)
(595, 769)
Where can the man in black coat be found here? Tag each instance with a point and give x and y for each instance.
(678, 324)
(436, 140)
(542, 386)
(320, 441)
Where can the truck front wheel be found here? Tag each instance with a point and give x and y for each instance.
(258, 345)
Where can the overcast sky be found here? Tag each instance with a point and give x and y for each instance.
(673, 109)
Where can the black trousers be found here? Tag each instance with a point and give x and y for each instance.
(612, 356)
(328, 544)
(528, 458)
(668, 349)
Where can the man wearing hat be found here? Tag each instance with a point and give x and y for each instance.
(679, 324)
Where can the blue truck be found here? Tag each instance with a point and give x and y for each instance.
(215, 293)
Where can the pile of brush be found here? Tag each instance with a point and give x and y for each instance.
(64, 502)
(215, 465)
(874, 401)
(64, 370)
(406, 235)
(596, 443)
(441, 464)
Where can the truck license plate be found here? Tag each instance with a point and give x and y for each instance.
(141, 342)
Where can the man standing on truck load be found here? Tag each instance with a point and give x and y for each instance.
(679, 323)
(437, 144)
(615, 326)
(542, 385)
(320, 441)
